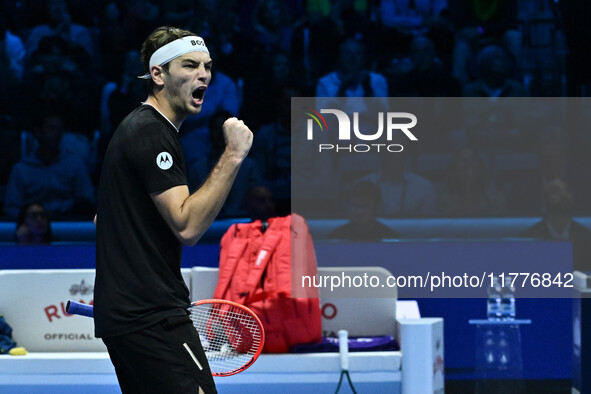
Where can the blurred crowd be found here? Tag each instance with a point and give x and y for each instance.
(71, 70)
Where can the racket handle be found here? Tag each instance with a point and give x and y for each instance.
(77, 308)
(344, 349)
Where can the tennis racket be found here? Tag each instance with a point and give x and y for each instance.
(344, 353)
(232, 336)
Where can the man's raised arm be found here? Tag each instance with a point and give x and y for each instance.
(190, 215)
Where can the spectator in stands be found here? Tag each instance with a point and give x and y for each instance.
(259, 203)
(559, 225)
(262, 91)
(553, 153)
(362, 204)
(139, 18)
(468, 190)
(12, 55)
(17, 15)
(248, 176)
(58, 77)
(428, 77)
(479, 23)
(52, 57)
(71, 142)
(352, 78)
(178, 12)
(523, 188)
(577, 33)
(85, 12)
(411, 17)
(121, 96)
(495, 67)
(316, 30)
(403, 193)
(228, 25)
(114, 40)
(272, 149)
(32, 225)
(10, 149)
(59, 23)
(402, 20)
(58, 180)
(273, 31)
(350, 17)
(12, 62)
(118, 98)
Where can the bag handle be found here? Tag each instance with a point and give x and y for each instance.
(271, 239)
(235, 251)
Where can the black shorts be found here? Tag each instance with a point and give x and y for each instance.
(164, 358)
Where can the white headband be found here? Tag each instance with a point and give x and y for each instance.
(174, 49)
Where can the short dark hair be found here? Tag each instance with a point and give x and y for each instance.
(366, 190)
(157, 39)
(22, 214)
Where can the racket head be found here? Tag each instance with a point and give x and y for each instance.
(231, 334)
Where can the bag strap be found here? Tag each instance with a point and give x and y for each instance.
(303, 258)
(237, 247)
(271, 239)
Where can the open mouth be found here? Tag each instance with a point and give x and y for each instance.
(199, 93)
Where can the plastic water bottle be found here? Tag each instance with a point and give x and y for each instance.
(493, 306)
(504, 350)
(489, 350)
(508, 300)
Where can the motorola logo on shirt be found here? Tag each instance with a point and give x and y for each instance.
(164, 160)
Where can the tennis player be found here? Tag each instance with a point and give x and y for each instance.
(145, 214)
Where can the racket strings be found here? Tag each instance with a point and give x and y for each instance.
(230, 337)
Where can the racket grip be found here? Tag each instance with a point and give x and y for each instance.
(77, 308)
(344, 349)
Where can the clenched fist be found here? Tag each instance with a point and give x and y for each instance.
(238, 138)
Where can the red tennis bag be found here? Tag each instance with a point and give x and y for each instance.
(257, 269)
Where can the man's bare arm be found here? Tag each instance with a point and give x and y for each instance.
(190, 215)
